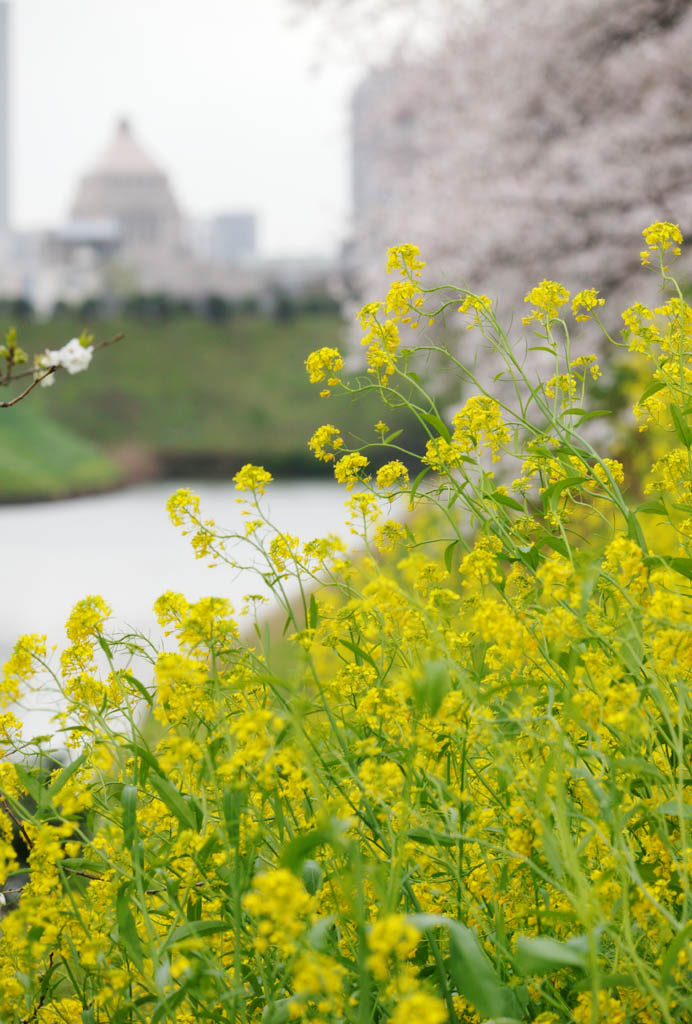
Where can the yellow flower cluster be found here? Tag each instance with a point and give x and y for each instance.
(584, 302)
(479, 425)
(659, 237)
(391, 939)
(458, 790)
(20, 667)
(280, 907)
(252, 478)
(325, 442)
(324, 362)
(391, 474)
(406, 259)
(349, 469)
(183, 510)
(548, 297)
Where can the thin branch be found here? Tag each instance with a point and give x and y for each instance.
(51, 369)
(25, 392)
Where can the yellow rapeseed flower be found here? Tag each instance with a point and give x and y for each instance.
(392, 473)
(548, 297)
(348, 469)
(252, 478)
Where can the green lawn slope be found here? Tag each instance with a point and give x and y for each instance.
(43, 459)
(202, 397)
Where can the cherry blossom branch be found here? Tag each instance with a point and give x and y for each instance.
(48, 371)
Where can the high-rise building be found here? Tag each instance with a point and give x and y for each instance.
(4, 117)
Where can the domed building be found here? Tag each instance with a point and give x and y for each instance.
(126, 235)
(127, 188)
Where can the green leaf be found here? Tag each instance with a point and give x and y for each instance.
(472, 971)
(128, 799)
(191, 928)
(651, 389)
(393, 436)
(504, 499)
(552, 493)
(180, 807)
(449, 554)
(557, 544)
(544, 955)
(31, 784)
(654, 507)
(681, 565)
(298, 849)
(634, 531)
(312, 875)
(681, 426)
(321, 932)
(592, 414)
(359, 652)
(671, 957)
(426, 837)
(434, 421)
(232, 803)
(313, 613)
(278, 1012)
(62, 777)
(416, 483)
(140, 687)
(127, 929)
(675, 810)
(431, 687)
(168, 1004)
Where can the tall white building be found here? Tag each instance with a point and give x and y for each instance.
(4, 118)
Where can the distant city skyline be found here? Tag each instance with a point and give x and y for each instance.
(227, 103)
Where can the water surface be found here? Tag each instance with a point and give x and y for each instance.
(123, 547)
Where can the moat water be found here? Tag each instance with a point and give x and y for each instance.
(123, 547)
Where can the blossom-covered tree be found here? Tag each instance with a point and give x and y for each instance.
(532, 143)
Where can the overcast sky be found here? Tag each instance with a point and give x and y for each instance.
(220, 92)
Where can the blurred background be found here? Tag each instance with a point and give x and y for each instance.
(219, 182)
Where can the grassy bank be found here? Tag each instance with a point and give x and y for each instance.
(43, 459)
(202, 397)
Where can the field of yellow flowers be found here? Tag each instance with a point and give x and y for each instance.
(468, 797)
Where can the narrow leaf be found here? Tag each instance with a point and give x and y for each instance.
(544, 955)
(416, 483)
(313, 613)
(60, 779)
(297, 850)
(471, 970)
(681, 426)
(651, 389)
(552, 493)
(393, 436)
(128, 799)
(654, 507)
(359, 652)
(449, 554)
(434, 421)
(127, 929)
(192, 928)
(179, 807)
(505, 499)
